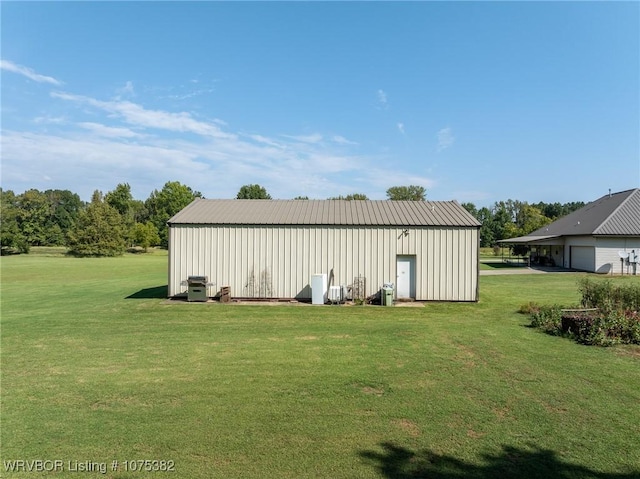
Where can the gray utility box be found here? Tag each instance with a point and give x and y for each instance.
(387, 295)
(197, 288)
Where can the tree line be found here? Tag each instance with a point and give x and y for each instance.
(106, 226)
(112, 222)
(512, 218)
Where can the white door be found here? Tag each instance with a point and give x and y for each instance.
(406, 277)
(583, 258)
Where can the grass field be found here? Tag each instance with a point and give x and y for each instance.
(97, 367)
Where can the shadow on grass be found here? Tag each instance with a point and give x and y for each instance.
(504, 265)
(396, 462)
(157, 292)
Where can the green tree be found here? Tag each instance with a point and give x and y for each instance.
(501, 217)
(99, 230)
(64, 208)
(487, 235)
(253, 192)
(301, 198)
(146, 235)
(530, 219)
(354, 196)
(471, 208)
(122, 201)
(139, 211)
(11, 237)
(162, 205)
(407, 193)
(33, 215)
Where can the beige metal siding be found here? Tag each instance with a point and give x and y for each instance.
(276, 261)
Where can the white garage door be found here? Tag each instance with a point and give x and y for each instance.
(583, 257)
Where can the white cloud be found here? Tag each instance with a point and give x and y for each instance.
(313, 138)
(401, 128)
(126, 91)
(109, 142)
(265, 140)
(108, 131)
(382, 98)
(191, 94)
(341, 140)
(445, 139)
(28, 72)
(137, 115)
(53, 120)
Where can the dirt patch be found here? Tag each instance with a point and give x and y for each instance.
(474, 434)
(372, 390)
(502, 412)
(629, 350)
(307, 338)
(410, 427)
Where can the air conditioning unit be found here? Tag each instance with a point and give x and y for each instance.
(336, 294)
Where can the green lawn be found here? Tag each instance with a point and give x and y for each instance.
(97, 367)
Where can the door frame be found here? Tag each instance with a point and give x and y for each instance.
(411, 260)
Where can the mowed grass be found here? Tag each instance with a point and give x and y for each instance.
(97, 367)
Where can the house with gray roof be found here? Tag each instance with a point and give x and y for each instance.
(600, 237)
(273, 249)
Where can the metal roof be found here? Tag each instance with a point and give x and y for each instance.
(325, 212)
(528, 239)
(617, 214)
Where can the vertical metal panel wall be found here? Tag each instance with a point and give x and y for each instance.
(277, 262)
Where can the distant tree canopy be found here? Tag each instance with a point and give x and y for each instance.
(407, 193)
(11, 235)
(354, 196)
(103, 226)
(36, 218)
(253, 192)
(512, 218)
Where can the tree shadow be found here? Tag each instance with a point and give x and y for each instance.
(157, 292)
(397, 462)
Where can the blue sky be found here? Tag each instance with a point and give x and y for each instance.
(476, 101)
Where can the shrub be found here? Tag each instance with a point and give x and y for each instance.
(529, 308)
(607, 297)
(548, 318)
(597, 328)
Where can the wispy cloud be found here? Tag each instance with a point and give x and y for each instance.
(314, 138)
(191, 94)
(110, 141)
(28, 72)
(382, 99)
(52, 120)
(341, 140)
(126, 91)
(401, 128)
(135, 114)
(265, 140)
(445, 139)
(108, 131)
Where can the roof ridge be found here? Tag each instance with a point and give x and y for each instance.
(632, 192)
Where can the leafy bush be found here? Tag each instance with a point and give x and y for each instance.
(548, 318)
(607, 297)
(613, 318)
(529, 308)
